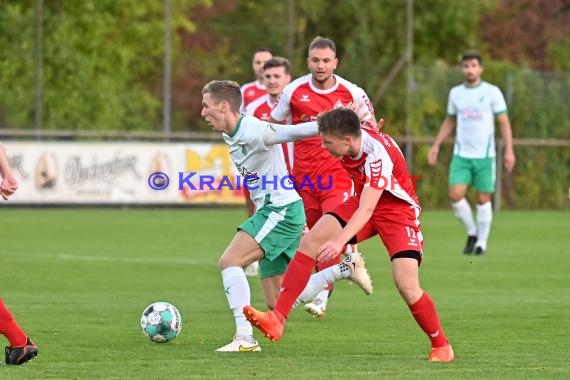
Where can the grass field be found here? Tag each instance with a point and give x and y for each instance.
(77, 281)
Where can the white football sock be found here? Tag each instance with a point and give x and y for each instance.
(484, 220)
(238, 295)
(323, 296)
(321, 280)
(462, 210)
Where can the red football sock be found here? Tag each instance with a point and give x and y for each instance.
(426, 316)
(294, 281)
(9, 328)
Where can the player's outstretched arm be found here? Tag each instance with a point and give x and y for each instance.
(277, 133)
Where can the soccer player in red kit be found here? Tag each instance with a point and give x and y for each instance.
(253, 90)
(276, 75)
(21, 348)
(384, 204)
(302, 100)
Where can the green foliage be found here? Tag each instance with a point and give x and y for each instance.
(101, 59)
(103, 67)
(537, 109)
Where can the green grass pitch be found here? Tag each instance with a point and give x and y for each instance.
(78, 279)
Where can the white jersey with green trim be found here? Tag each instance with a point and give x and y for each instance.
(475, 109)
(261, 166)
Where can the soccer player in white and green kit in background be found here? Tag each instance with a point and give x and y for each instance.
(272, 234)
(473, 106)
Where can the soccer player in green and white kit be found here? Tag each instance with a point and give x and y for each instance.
(473, 106)
(273, 233)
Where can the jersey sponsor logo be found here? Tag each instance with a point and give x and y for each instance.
(305, 98)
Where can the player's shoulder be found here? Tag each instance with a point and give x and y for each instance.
(489, 86)
(345, 82)
(250, 119)
(255, 104)
(457, 89)
(353, 88)
(247, 85)
(248, 128)
(299, 82)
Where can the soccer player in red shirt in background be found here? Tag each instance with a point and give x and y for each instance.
(302, 100)
(380, 206)
(276, 75)
(253, 90)
(21, 348)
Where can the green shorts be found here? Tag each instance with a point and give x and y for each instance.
(278, 231)
(477, 172)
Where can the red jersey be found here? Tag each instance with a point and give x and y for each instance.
(381, 164)
(260, 108)
(303, 102)
(251, 91)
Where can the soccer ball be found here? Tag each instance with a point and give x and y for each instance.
(161, 322)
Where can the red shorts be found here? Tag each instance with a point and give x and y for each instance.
(395, 220)
(323, 197)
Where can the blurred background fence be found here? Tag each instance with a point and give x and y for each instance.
(108, 71)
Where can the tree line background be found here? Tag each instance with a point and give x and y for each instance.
(102, 67)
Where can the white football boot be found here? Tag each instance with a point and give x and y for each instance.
(358, 273)
(317, 308)
(241, 344)
(252, 269)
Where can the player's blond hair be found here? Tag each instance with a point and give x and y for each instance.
(224, 90)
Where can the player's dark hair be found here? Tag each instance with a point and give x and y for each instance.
(322, 43)
(224, 90)
(472, 55)
(340, 122)
(278, 62)
(263, 50)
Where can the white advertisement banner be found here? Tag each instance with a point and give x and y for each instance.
(118, 173)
